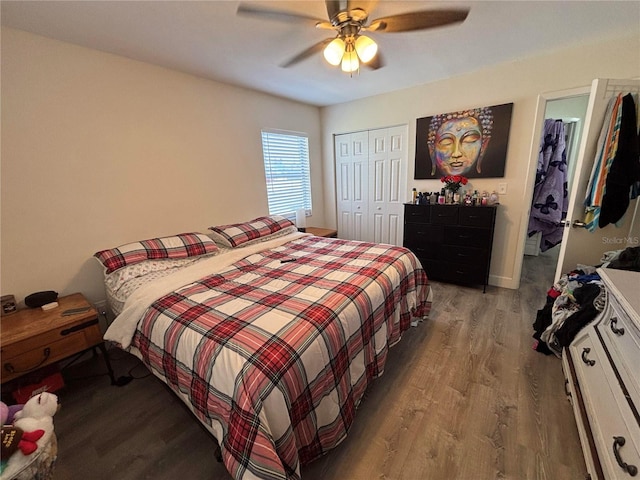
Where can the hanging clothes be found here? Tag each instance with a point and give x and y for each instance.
(625, 167)
(550, 199)
(605, 151)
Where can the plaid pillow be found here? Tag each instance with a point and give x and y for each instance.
(241, 233)
(182, 245)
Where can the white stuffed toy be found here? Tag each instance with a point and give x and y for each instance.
(38, 413)
(36, 416)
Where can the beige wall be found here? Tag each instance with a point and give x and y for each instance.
(99, 150)
(518, 82)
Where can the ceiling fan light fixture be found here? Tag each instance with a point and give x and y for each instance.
(350, 62)
(334, 52)
(366, 48)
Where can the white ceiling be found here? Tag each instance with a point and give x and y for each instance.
(208, 39)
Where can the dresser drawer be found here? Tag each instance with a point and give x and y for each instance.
(620, 337)
(424, 251)
(444, 214)
(476, 217)
(417, 214)
(603, 401)
(468, 236)
(463, 255)
(422, 233)
(452, 272)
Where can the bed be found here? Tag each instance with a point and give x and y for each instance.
(268, 335)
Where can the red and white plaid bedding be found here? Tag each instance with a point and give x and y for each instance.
(275, 355)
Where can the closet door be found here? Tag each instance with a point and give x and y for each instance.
(578, 244)
(387, 180)
(352, 162)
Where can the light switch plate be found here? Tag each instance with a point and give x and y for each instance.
(502, 188)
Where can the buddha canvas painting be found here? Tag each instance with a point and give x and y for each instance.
(471, 142)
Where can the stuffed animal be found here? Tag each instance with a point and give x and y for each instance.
(32, 427)
(8, 412)
(37, 413)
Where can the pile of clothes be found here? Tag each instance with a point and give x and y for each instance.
(575, 300)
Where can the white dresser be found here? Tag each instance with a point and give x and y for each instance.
(602, 371)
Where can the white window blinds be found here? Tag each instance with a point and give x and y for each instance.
(286, 167)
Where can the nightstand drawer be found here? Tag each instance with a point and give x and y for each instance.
(33, 338)
(15, 366)
(87, 332)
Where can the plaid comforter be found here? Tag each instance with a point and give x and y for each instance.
(273, 354)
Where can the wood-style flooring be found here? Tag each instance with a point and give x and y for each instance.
(464, 396)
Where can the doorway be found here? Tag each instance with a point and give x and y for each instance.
(581, 245)
(571, 111)
(570, 108)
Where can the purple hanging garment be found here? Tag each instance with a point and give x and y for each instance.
(550, 199)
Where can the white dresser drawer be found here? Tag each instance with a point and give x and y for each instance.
(615, 418)
(621, 338)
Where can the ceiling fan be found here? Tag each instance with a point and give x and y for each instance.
(350, 19)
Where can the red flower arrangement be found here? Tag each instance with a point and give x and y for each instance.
(454, 182)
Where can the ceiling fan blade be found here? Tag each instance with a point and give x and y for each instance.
(335, 6)
(325, 25)
(312, 50)
(406, 22)
(278, 15)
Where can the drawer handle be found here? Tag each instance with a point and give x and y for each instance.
(630, 469)
(463, 255)
(465, 236)
(585, 352)
(474, 216)
(77, 328)
(566, 388)
(614, 329)
(11, 369)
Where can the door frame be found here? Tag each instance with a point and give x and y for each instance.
(538, 123)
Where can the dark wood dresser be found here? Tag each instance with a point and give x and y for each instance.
(453, 242)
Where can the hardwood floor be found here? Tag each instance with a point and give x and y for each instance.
(463, 396)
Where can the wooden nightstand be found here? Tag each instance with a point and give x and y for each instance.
(322, 232)
(34, 338)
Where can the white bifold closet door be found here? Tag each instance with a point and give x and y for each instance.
(371, 178)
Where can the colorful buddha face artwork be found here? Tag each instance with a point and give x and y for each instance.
(457, 143)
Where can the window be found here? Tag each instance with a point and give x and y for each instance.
(286, 166)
